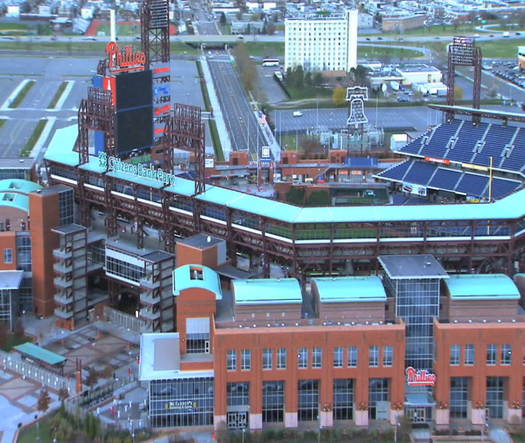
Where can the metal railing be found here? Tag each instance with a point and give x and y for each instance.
(123, 320)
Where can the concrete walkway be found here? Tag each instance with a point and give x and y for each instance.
(499, 435)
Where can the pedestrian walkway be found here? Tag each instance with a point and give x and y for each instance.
(499, 435)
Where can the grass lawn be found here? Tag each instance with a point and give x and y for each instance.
(57, 96)
(13, 29)
(502, 48)
(432, 30)
(30, 434)
(309, 92)
(22, 94)
(266, 49)
(382, 52)
(184, 49)
(123, 30)
(26, 150)
(217, 146)
(68, 48)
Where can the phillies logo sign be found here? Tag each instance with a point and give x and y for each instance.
(420, 377)
(126, 60)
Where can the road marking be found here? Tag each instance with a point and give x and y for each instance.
(13, 95)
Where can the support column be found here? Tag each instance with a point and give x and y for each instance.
(326, 419)
(255, 422)
(290, 419)
(442, 418)
(361, 417)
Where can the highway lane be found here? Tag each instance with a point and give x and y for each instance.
(241, 122)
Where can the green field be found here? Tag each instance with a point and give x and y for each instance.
(385, 52)
(266, 49)
(123, 30)
(13, 29)
(32, 433)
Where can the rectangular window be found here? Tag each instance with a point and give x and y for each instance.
(459, 397)
(246, 362)
(231, 363)
(273, 402)
(238, 394)
(495, 396)
(8, 256)
(317, 361)
(267, 358)
(353, 355)
(308, 391)
(338, 357)
(378, 391)
(198, 343)
(281, 358)
(492, 354)
(506, 354)
(388, 356)
(470, 354)
(373, 356)
(303, 358)
(343, 398)
(455, 354)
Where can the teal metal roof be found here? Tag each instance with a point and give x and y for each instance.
(18, 185)
(267, 291)
(482, 287)
(350, 289)
(13, 200)
(184, 277)
(60, 148)
(39, 353)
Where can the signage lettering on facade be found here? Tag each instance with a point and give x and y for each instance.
(126, 60)
(117, 165)
(181, 404)
(420, 377)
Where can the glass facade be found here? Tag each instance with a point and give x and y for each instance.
(238, 394)
(23, 251)
(197, 343)
(459, 397)
(181, 402)
(231, 360)
(125, 270)
(495, 396)
(343, 399)
(417, 303)
(378, 390)
(273, 402)
(308, 391)
(66, 207)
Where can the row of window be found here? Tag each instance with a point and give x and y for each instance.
(308, 396)
(311, 358)
(469, 354)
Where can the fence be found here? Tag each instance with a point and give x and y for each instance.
(126, 321)
(14, 362)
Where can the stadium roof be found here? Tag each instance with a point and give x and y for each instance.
(196, 276)
(402, 267)
(39, 353)
(350, 289)
(482, 287)
(61, 151)
(267, 291)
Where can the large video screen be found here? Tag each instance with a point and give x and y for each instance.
(134, 129)
(134, 89)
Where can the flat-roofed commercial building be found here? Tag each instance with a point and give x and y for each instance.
(321, 43)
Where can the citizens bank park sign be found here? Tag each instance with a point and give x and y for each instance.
(115, 164)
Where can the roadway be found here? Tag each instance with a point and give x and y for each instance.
(241, 123)
(214, 38)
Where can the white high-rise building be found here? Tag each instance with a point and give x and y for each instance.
(321, 43)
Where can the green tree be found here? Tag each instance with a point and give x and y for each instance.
(295, 196)
(308, 79)
(319, 198)
(19, 331)
(222, 20)
(339, 96)
(3, 335)
(317, 79)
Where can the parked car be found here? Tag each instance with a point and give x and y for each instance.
(297, 114)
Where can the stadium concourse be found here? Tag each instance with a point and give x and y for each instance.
(444, 159)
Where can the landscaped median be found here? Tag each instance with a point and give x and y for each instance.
(58, 94)
(24, 90)
(35, 136)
